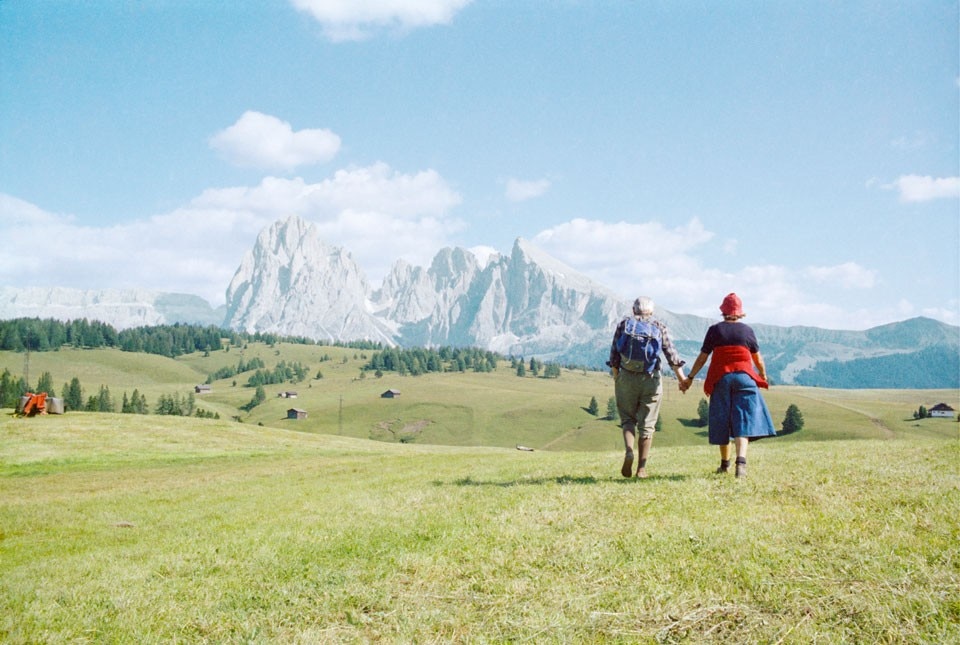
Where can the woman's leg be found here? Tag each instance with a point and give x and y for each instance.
(720, 429)
(725, 451)
(742, 443)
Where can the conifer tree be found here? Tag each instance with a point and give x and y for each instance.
(73, 395)
(45, 384)
(703, 412)
(793, 420)
(612, 408)
(594, 407)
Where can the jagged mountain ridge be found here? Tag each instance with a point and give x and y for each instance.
(291, 283)
(525, 303)
(528, 303)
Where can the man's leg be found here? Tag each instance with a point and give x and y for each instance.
(628, 439)
(648, 411)
(626, 393)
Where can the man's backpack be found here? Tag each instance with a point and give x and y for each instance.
(639, 346)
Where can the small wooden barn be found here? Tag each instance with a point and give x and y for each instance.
(942, 410)
(390, 394)
(296, 413)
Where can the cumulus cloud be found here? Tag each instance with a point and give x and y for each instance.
(171, 252)
(344, 20)
(918, 188)
(376, 188)
(679, 267)
(378, 214)
(519, 190)
(594, 243)
(263, 141)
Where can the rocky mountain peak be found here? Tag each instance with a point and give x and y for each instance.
(526, 303)
(292, 283)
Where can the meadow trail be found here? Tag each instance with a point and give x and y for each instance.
(885, 430)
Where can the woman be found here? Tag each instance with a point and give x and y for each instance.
(737, 410)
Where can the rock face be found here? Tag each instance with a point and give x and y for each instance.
(291, 283)
(523, 304)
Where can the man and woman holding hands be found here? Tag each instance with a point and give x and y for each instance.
(738, 412)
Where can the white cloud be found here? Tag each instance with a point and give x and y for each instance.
(948, 314)
(376, 213)
(677, 267)
(262, 141)
(519, 190)
(375, 188)
(848, 275)
(359, 19)
(172, 252)
(917, 188)
(641, 248)
(380, 215)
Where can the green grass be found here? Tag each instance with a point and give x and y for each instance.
(465, 409)
(116, 528)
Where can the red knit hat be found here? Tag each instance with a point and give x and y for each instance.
(731, 305)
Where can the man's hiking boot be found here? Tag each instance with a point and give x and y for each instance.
(627, 469)
(741, 471)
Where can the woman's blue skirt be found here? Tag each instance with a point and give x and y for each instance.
(738, 410)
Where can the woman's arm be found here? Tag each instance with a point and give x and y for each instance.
(761, 367)
(698, 364)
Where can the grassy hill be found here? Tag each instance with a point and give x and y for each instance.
(463, 409)
(150, 529)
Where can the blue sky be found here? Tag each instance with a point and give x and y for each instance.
(801, 153)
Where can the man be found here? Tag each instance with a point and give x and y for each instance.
(635, 361)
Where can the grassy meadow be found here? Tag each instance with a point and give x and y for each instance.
(148, 529)
(462, 409)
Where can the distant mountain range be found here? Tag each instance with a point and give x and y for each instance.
(526, 303)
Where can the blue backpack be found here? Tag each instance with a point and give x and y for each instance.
(639, 346)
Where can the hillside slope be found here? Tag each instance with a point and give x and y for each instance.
(459, 408)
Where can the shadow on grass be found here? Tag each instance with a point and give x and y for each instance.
(562, 480)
